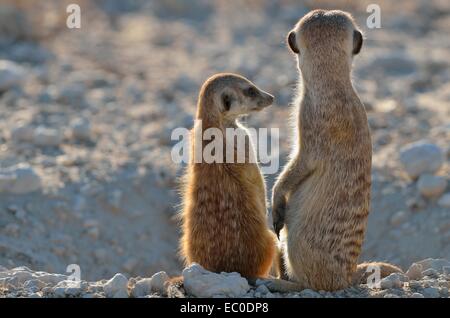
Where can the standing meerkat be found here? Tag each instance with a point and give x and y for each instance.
(224, 224)
(321, 199)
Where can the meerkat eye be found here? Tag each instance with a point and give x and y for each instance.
(226, 100)
(250, 92)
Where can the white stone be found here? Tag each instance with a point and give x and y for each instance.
(421, 157)
(19, 179)
(116, 286)
(158, 280)
(444, 201)
(437, 264)
(81, 129)
(11, 74)
(398, 218)
(391, 281)
(47, 137)
(142, 288)
(417, 295)
(22, 133)
(147, 286)
(431, 186)
(202, 283)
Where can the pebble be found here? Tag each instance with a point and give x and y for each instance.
(309, 293)
(19, 179)
(431, 292)
(47, 137)
(147, 286)
(431, 186)
(437, 264)
(392, 281)
(23, 133)
(421, 157)
(11, 74)
(444, 201)
(81, 129)
(116, 287)
(202, 283)
(417, 295)
(431, 272)
(398, 218)
(262, 289)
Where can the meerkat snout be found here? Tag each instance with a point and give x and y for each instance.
(242, 98)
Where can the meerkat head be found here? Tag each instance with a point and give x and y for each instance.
(325, 39)
(231, 96)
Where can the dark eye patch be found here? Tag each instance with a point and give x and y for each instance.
(251, 92)
(226, 100)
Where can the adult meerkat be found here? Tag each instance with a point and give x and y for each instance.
(321, 199)
(224, 224)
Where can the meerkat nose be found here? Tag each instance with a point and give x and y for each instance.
(268, 100)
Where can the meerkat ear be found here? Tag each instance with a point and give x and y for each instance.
(357, 41)
(292, 42)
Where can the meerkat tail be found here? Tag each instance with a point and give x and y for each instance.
(283, 286)
(363, 270)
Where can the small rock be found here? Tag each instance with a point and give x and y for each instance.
(398, 218)
(431, 272)
(202, 283)
(431, 292)
(116, 287)
(308, 293)
(158, 281)
(392, 281)
(19, 179)
(416, 203)
(11, 74)
(142, 288)
(262, 289)
(81, 129)
(47, 137)
(391, 296)
(437, 264)
(22, 134)
(417, 295)
(444, 201)
(431, 186)
(415, 271)
(421, 157)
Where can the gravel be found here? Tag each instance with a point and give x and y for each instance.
(199, 282)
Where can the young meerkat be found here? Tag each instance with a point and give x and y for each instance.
(321, 199)
(224, 225)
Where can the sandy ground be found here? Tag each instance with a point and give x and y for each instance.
(86, 115)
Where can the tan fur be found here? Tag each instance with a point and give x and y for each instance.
(224, 215)
(322, 196)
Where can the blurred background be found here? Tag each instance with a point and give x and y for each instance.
(86, 115)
